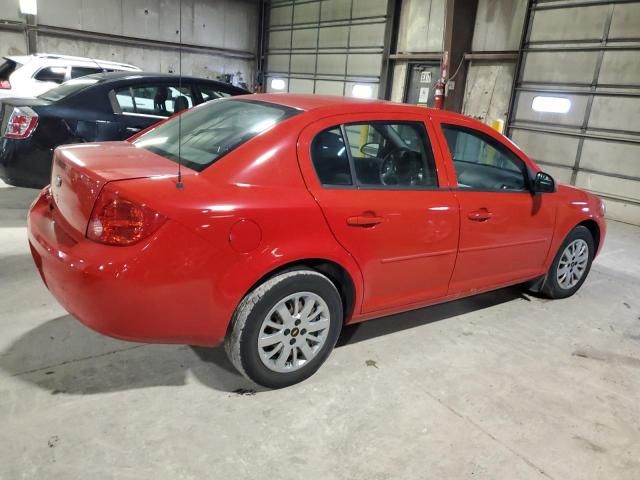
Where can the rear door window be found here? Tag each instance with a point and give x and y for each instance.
(377, 154)
(51, 74)
(84, 71)
(7, 68)
(156, 100)
(330, 159)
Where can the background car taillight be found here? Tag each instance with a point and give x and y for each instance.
(121, 222)
(5, 85)
(22, 122)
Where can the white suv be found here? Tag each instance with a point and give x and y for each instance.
(32, 75)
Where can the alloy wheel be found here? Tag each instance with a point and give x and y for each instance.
(572, 264)
(293, 332)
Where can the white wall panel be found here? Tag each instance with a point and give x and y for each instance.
(369, 8)
(305, 38)
(616, 113)
(621, 67)
(306, 13)
(560, 67)
(584, 23)
(324, 87)
(498, 25)
(547, 148)
(334, 37)
(280, 39)
(626, 21)
(298, 85)
(574, 117)
(488, 91)
(620, 188)
(617, 158)
(332, 63)
(421, 26)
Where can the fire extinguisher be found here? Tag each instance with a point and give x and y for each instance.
(439, 95)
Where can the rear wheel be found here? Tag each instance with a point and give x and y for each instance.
(284, 329)
(571, 266)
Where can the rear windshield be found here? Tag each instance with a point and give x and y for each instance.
(7, 68)
(68, 88)
(212, 130)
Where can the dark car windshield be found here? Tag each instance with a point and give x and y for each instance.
(212, 130)
(68, 88)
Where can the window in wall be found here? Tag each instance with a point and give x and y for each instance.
(481, 162)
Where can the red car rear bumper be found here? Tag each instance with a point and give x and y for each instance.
(159, 291)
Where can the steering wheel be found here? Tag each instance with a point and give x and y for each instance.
(402, 167)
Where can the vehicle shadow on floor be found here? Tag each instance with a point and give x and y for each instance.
(65, 357)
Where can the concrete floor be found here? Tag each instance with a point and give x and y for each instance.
(499, 386)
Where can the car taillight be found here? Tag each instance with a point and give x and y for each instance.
(22, 123)
(121, 222)
(4, 84)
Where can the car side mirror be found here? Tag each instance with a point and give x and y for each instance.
(370, 149)
(543, 183)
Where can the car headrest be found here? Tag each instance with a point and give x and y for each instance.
(180, 103)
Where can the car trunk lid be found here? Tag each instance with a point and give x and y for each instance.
(8, 104)
(80, 171)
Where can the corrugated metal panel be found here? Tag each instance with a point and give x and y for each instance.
(589, 54)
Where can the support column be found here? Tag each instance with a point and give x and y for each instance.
(460, 19)
(31, 34)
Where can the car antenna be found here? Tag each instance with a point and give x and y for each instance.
(179, 185)
(97, 64)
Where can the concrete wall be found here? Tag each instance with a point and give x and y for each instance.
(420, 30)
(498, 25)
(498, 28)
(226, 25)
(421, 26)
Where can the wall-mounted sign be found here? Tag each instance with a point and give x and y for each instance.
(424, 95)
(425, 77)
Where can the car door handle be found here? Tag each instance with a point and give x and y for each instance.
(364, 221)
(481, 215)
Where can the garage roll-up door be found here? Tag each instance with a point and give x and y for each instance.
(332, 47)
(576, 107)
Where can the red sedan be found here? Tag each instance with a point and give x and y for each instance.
(295, 215)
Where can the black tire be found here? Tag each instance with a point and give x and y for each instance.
(241, 342)
(551, 287)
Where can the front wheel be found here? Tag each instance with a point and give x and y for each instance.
(284, 329)
(571, 266)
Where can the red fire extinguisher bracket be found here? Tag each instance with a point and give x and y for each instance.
(439, 94)
(441, 83)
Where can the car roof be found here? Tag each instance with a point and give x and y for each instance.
(328, 104)
(69, 60)
(109, 77)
